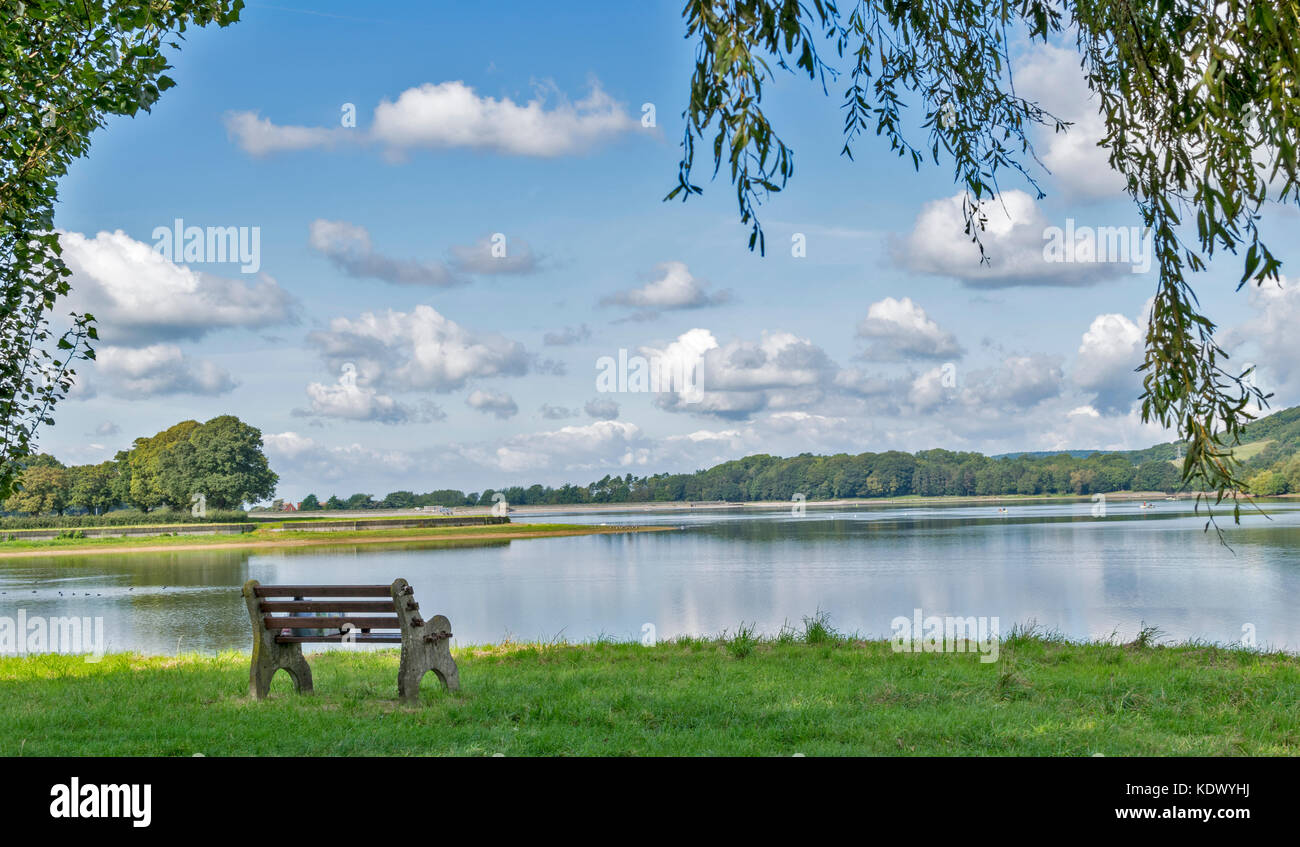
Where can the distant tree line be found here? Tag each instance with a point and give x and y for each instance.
(219, 463)
(930, 473)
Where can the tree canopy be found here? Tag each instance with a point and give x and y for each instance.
(1201, 102)
(221, 460)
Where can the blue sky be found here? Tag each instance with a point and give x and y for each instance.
(367, 371)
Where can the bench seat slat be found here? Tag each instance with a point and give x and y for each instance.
(270, 606)
(338, 639)
(307, 622)
(323, 591)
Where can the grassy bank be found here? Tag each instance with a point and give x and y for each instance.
(816, 694)
(268, 536)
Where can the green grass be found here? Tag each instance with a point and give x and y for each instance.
(263, 536)
(739, 696)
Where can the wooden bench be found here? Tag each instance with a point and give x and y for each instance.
(344, 614)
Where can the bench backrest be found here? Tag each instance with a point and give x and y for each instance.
(323, 614)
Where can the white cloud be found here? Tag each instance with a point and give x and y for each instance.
(495, 254)
(308, 461)
(496, 403)
(157, 370)
(349, 248)
(601, 444)
(900, 329)
(780, 370)
(258, 136)
(556, 413)
(1017, 382)
(672, 288)
(602, 409)
(1270, 340)
(1051, 76)
(1110, 351)
(1013, 240)
(349, 400)
(137, 296)
(451, 115)
(567, 336)
(420, 349)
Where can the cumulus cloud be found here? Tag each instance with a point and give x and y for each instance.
(567, 336)
(900, 329)
(1013, 238)
(1269, 339)
(1051, 76)
(496, 403)
(451, 115)
(1013, 384)
(258, 136)
(780, 370)
(420, 349)
(1109, 354)
(350, 400)
(138, 296)
(556, 413)
(157, 370)
(302, 457)
(602, 409)
(349, 248)
(673, 287)
(1018, 381)
(495, 254)
(580, 447)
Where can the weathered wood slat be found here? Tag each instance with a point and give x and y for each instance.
(337, 639)
(323, 591)
(270, 606)
(322, 622)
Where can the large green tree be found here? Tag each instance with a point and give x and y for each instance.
(222, 460)
(64, 68)
(157, 477)
(42, 489)
(92, 487)
(1201, 102)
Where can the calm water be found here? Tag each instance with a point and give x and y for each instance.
(1054, 564)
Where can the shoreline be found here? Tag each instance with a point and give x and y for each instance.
(723, 505)
(332, 539)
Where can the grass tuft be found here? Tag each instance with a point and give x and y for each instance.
(817, 629)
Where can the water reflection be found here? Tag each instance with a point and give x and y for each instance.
(1053, 563)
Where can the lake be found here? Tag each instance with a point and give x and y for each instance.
(1053, 563)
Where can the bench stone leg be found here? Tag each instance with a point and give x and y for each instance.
(425, 647)
(269, 657)
(267, 662)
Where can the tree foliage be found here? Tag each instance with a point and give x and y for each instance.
(222, 460)
(64, 68)
(1201, 102)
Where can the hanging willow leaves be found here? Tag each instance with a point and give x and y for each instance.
(1201, 103)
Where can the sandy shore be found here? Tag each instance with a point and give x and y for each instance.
(330, 539)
